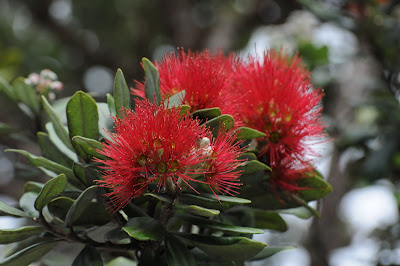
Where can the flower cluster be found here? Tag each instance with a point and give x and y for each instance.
(159, 145)
(205, 78)
(279, 100)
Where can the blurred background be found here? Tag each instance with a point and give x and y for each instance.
(351, 47)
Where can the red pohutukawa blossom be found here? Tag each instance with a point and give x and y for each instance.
(222, 163)
(203, 76)
(280, 101)
(154, 144)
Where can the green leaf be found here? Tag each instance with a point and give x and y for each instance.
(59, 128)
(184, 109)
(202, 222)
(253, 166)
(82, 116)
(271, 250)
(49, 165)
(29, 254)
(32, 186)
(198, 210)
(27, 203)
(121, 261)
(208, 113)
(269, 220)
(51, 189)
(300, 212)
(90, 174)
(222, 121)
(26, 94)
(14, 235)
(249, 133)
(106, 122)
(162, 197)
(175, 100)
(51, 151)
(225, 248)
(81, 204)
(59, 144)
(88, 256)
(152, 84)
(111, 104)
(145, 228)
(316, 187)
(210, 201)
(308, 207)
(176, 252)
(60, 206)
(122, 98)
(7, 89)
(12, 211)
(89, 146)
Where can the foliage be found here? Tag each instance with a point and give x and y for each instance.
(175, 219)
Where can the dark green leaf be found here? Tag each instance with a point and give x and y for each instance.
(271, 250)
(12, 211)
(83, 117)
(29, 254)
(145, 228)
(222, 121)
(152, 84)
(198, 210)
(176, 252)
(316, 187)
(79, 172)
(208, 113)
(111, 104)
(51, 151)
(225, 248)
(81, 204)
(27, 203)
(249, 133)
(51, 189)
(14, 235)
(117, 236)
(59, 128)
(122, 98)
(89, 146)
(26, 94)
(159, 196)
(253, 166)
(88, 256)
(201, 222)
(269, 220)
(60, 206)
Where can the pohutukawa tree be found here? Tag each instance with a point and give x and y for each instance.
(183, 169)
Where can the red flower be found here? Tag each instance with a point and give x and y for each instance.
(203, 77)
(280, 101)
(222, 163)
(156, 144)
(151, 145)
